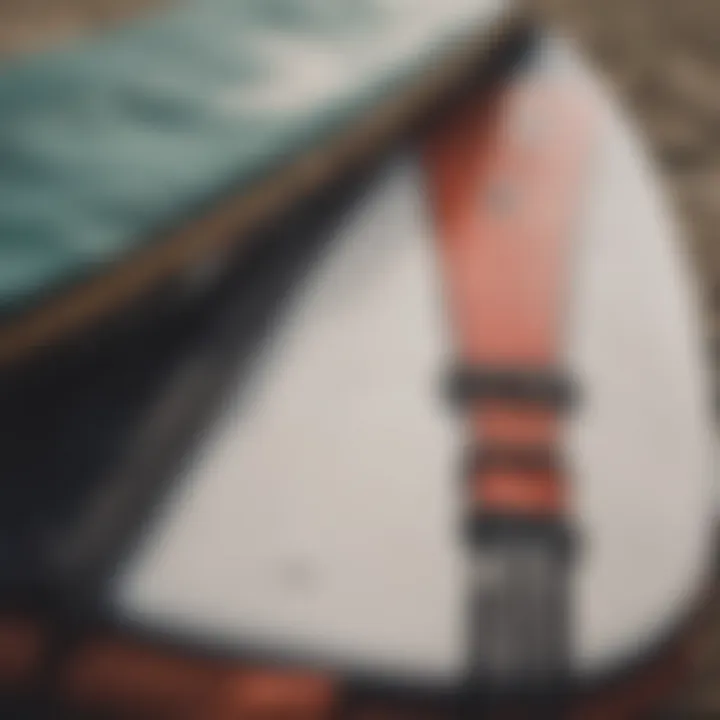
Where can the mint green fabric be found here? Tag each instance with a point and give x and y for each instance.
(106, 142)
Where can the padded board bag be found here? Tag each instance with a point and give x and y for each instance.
(440, 447)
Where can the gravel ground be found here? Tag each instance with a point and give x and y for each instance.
(662, 57)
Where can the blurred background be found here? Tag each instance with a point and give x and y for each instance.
(662, 57)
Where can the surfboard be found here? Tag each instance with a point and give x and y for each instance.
(306, 552)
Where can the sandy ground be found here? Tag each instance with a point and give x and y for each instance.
(662, 57)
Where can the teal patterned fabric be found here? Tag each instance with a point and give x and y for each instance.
(105, 142)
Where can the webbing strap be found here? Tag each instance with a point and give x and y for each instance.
(505, 178)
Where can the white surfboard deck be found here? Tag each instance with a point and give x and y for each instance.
(321, 517)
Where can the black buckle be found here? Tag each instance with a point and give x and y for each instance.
(548, 387)
(520, 615)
